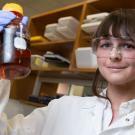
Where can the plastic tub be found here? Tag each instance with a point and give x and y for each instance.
(85, 58)
(68, 21)
(67, 32)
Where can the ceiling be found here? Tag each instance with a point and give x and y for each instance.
(32, 7)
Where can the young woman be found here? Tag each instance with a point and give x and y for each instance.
(114, 45)
(111, 112)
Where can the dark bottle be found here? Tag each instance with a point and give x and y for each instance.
(15, 51)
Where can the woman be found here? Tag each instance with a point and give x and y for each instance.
(110, 113)
(114, 45)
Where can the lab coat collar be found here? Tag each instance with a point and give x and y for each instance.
(96, 106)
(127, 107)
(124, 121)
(126, 113)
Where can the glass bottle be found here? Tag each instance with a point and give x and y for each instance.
(15, 51)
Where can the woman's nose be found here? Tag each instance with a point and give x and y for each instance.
(115, 54)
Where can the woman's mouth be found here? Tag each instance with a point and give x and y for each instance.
(116, 68)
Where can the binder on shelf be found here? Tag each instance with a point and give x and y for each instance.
(76, 90)
(62, 89)
(57, 59)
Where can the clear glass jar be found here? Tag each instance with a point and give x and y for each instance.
(15, 51)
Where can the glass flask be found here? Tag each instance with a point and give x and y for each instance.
(15, 51)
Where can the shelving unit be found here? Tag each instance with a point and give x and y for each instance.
(110, 5)
(65, 48)
(59, 47)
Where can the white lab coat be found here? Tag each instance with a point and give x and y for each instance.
(71, 116)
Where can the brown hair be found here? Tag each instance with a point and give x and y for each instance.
(122, 23)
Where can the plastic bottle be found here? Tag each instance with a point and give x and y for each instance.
(15, 51)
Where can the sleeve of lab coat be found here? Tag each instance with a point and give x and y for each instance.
(20, 125)
(30, 125)
(34, 123)
(42, 120)
(4, 93)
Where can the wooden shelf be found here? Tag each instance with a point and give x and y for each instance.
(38, 22)
(51, 43)
(110, 5)
(90, 70)
(65, 48)
(51, 69)
(32, 103)
(60, 10)
(79, 11)
(57, 47)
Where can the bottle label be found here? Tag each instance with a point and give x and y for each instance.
(20, 43)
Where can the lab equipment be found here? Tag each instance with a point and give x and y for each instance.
(14, 46)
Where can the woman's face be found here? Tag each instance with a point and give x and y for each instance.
(116, 59)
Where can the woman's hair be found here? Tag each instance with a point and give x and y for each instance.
(122, 24)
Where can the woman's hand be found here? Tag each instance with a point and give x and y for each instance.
(6, 17)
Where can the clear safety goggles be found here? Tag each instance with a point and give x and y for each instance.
(123, 46)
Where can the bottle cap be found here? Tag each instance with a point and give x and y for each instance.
(13, 7)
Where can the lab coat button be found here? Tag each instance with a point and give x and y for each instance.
(127, 119)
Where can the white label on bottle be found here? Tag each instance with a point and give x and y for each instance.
(20, 43)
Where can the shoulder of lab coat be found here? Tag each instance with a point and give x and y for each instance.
(35, 122)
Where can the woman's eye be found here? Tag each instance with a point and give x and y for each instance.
(105, 45)
(128, 46)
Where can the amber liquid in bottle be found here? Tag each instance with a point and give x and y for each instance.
(14, 62)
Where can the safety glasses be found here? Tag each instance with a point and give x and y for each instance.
(123, 46)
